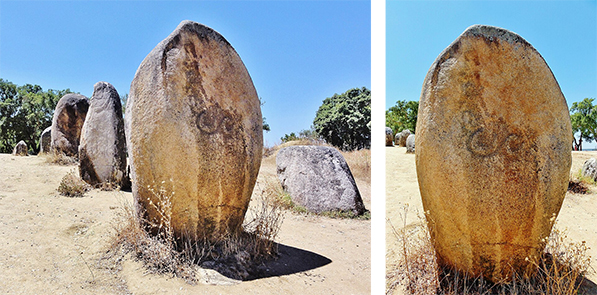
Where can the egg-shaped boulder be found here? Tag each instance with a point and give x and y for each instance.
(389, 141)
(102, 150)
(45, 141)
(194, 133)
(492, 152)
(20, 149)
(67, 123)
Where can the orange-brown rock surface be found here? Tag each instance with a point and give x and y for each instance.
(67, 123)
(493, 152)
(194, 129)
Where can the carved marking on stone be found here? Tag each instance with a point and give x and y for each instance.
(208, 121)
(482, 142)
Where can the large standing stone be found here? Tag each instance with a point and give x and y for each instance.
(493, 152)
(193, 122)
(102, 152)
(20, 149)
(67, 122)
(389, 137)
(319, 179)
(45, 141)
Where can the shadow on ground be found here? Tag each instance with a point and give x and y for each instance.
(291, 260)
(588, 287)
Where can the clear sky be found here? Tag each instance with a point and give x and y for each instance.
(564, 33)
(297, 52)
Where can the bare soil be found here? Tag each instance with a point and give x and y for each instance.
(578, 215)
(51, 244)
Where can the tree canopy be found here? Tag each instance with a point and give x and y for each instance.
(344, 120)
(402, 116)
(25, 111)
(583, 116)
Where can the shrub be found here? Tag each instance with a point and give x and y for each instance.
(60, 159)
(72, 186)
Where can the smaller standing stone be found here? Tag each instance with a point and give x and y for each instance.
(318, 178)
(403, 136)
(410, 144)
(67, 122)
(102, 154)
(20, 149)
(389, 136)
(589, 168)
(45, 140)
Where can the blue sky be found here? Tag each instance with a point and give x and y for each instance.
(564, 33)
(297, 52)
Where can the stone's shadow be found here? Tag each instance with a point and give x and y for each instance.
(588, 287)
(291, 260)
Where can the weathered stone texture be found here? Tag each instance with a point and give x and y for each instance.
(194, 128)
(403, 136)
(20, 149)
(389, 137)
(319, 179)
(102, 152)
(493, 152)
(45, 141)
(410, 143)
(589, 168)
(67, 122)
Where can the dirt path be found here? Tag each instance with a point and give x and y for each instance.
(578, 215)
(50, 244)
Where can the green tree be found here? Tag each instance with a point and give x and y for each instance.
(25, 111)
(583, 116)
(289, 137)
(344, 120)
(123, 100)
(264, 124)
(402, 116)
(308, 134)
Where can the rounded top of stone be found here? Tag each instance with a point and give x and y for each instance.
(103, 87)
(491, 33)
(72, 98)
(308, 147)
(202, 31)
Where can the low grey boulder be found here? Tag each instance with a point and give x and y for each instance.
(389, 136)
(45, 141)
(589, 168)
(318, 178)
(410, 144)
(20, 149)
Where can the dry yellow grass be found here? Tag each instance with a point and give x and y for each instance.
(72, 186)
(236, 256)
(559, 271)
(59, 158)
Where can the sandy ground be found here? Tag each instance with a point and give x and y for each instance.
(578, 215)
(51, 244)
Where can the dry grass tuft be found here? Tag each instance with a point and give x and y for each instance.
(73, 186)
(559, 271)
(360, 163)
(239, 256)
(60, 159)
